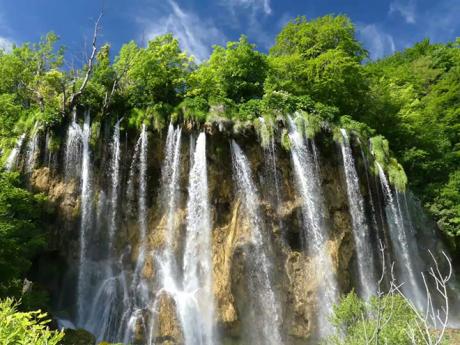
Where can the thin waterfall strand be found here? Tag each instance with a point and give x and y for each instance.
(12, 159)
(260, 281)
(306, 169)
(197, 310)
(86, 216)
(115, 183)
(398, 234)
(365, 259)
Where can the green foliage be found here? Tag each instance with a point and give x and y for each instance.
(236, 72)
(25, 327)
(20, 233)
(195, 109)
(357, 321)
(446, 206)
(312, 38)
(320, 58)
(415, 104)
(152, 75)
(363, 131)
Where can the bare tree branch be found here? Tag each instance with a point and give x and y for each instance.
(90, 64)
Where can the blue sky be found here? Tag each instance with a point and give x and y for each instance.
(382, 26)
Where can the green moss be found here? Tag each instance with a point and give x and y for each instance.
(242, 127)
(337, 135)
(312, 125)
(54, 143)
(360, 129)
(397, 175)
(78, 337)
(265, 130)
(95, 133)
(394, 170)
(285, 140)
(380, 149)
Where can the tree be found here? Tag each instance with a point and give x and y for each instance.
(415, 102)
(320, 58)
(20, 234)
(236, 72)
(155, 74)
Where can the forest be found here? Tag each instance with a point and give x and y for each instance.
(406, 104)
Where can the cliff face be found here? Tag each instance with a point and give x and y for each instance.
(126, 298)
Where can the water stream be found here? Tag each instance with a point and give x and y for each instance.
(361, 234)
(265, 309)
(306, 168)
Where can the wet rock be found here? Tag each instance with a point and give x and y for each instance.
(78, 337)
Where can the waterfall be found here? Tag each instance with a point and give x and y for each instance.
(142, 203)
(85, 225)
(170, 185)
(265, 309)
(170, 179)
(31, 152)
(306, 171)
(142, 209)
(115, 182)
(361, 234)
(196, 310)
(73, 148)
(12, 159)
(104, 315)
(139, 290)
(405, 255)
(271, 168)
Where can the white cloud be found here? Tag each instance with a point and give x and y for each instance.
(254, 5)
(406, 8)
(196, 35)
(376, 41)
(6, 44)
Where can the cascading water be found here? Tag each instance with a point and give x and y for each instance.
(315, 231)
(103, 319)
(121, 293)
(73, 150)
(139, 289)
(12, 159)
(266, 314)
(170, 178)
(142, 202)
(361, 235)
(195, 304)
(31, 152)
(405, 254)
(115, 182)
(271, 166)
(85, 222)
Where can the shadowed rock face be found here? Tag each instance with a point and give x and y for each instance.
(295, 272)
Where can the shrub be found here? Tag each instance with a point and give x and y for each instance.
(25, 327)
(389, 318)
